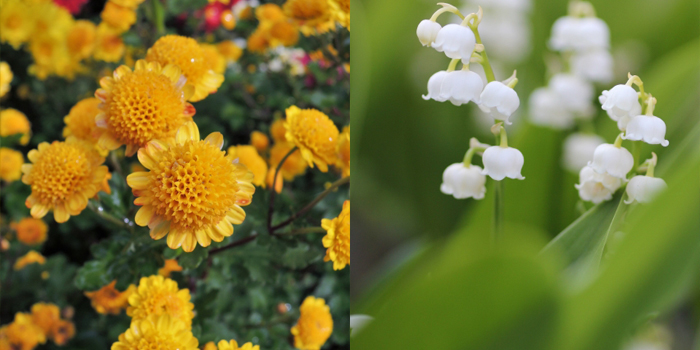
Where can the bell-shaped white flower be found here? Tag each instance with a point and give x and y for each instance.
(499, 100)
(620, 101)
(591, 33)
(595, 65)
(647, 128)
(501, 162)
(612, 160)
(579, 149)
(507, 34)
(461, 87)
(455, 41)
(463, 181)
(564, 33)
(547, 109)
(575, 93)
(622, 122)
(358, 322)
(434, 85)
(595, 187)
(427, 31)
(644, 189)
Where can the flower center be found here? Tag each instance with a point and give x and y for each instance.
(62, 170)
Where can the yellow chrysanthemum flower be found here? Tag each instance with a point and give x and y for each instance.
(51, 57)
(210, 346)
(62, 332)
(63, 176)
(337, 238)
(259, 140)
(10, 164)
(109, 300)
(46, 316)
(118, 17)
(109, 46)
(33, 257)
(193, 193)
(16, 23)
(23, 333)
(248, 156)
(314, 326)
(50, 20)
(295, 164)
(171, 265)
(283, 33)
(5, 78)
(278, 131)
(275, 26)
(132, 4)
(343, 151)
(80, 122)
(269, 12)
(312, 16)
(186, 53)
(157, 295)
(230, 51)
(233, 345)
(160, 332)
(213, 58)
(145, 104)
(315, 135)
(30, 231)
(14, 122)
(258, 41)
(81, 39)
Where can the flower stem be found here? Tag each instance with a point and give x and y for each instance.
(303, 231)
(233, 244)
(497, 212)
(272, 189)
(109, 217)
(484, 57)
(158, 17)
(312, 204)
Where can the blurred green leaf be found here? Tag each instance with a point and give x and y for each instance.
(193, 259)
(92, 275)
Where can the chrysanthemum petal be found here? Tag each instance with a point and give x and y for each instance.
(38, 211)
(160, 229)
(60, 213)
(139, 180)
(77, 203)
(224, 228)
(202, 237)
(215, 139)
(175, 238)
(189, 243)
(187, 132)
(144, 215)
(236, 215)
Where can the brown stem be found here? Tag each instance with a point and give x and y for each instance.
(237, 243)
(313, 203)
(272, 189)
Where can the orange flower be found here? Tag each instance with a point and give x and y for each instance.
(248, 156)
(314, 326)
(62, 175)
(157, 295)
(213, 58)
(30, 231)
(14, 122)
(80, 121)
(30, 258)
(118, 17)
(186, 53)
(315, 135)
(109, 300)
(62, 331)
(258, 41)
(160, 332)
(230, 51)
(192, 193)
(81, 39)
(259, 140)
(337, 238)
(110, 46)
(5, 78)
(278, 131)
(23, 333)
(343, 151)
(46, 316)
(10, 164)
(295, 164)
(145, 104)
(171, 265)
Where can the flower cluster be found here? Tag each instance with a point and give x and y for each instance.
(462, 43)
(613, 166)
(28, 330)
(314, 326)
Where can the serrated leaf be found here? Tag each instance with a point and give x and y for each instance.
(92, 276)
(299, 257)
(193, 259)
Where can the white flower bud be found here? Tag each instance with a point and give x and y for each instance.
(499, 100)
(455, 41)
(463, 182)
(647, 128)
(620, 101)
(501, 162)
(595, 65)
(547, 109)
(461, 87)
(564, 33)
(434, 85)
(612, 160)
(644, 189)
(575, 93)
(427, 31)
(591, 33)
(595, 187)
(579, 149)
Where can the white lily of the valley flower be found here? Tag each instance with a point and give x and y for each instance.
(591, 33)
(501, 162)
(644, 189)
(595, 65)
(434, 85)
(575, 93)
(647, 128)
(507, 34)
(595, 187)
(462, 182)
(455, 41)
(564, 33)
(547, 109)
(499, 100)
(461, 87)
(579, 149)
(427, 31)
(620, 101)
(357, 322)
(612, 160)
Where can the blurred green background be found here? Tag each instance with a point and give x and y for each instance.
(422, 266)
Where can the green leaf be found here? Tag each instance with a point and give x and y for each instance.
(299, 256)
(193, 259)
(92, 276)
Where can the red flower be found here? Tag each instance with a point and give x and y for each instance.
(73, 6)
